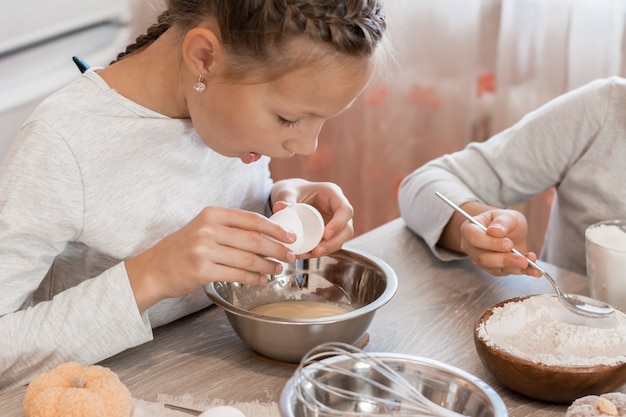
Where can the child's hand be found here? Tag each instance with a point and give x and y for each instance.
(491, 251)
(331, 203)
(219, 244)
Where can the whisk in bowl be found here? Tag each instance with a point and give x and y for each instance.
(337, 379)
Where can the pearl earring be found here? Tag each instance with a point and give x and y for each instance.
(200, 86)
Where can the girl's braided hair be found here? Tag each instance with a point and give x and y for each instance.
(257, 31)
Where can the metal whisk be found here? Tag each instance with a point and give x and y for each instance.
(337, 379)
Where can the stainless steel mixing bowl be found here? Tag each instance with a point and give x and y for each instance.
(441, 383)
(348, 278)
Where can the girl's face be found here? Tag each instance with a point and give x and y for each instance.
(278, 118)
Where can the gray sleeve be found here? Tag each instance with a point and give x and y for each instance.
(40, 211)
(86, 323)
(509, 168)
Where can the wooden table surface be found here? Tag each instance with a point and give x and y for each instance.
(432, 315)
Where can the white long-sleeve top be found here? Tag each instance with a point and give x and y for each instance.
(576, 143)
(93, 179)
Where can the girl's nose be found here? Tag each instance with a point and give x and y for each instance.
(305, 143)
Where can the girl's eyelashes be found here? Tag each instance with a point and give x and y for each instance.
(286, 122)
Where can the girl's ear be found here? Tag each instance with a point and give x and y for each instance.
(201, 48)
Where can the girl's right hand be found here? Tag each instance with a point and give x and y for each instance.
(491, 250)
(219, 244)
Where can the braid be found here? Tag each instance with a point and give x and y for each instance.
(164, 22)
(353, 27)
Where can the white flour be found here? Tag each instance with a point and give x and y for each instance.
(608, 235)
(541, 330)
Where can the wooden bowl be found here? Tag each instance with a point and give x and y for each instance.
(555, 384)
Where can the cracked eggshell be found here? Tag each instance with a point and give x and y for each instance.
(306, 222)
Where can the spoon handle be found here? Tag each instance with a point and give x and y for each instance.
(183, 409)
(484, 229)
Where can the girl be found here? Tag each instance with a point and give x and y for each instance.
(132, 188)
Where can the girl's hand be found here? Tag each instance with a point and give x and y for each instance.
(491, 250)
(331, 203)
(219, 244)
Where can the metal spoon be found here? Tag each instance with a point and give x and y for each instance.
(579, 304)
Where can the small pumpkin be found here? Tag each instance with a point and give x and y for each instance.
(74, 390)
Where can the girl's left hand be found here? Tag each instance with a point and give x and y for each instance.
(332, 204)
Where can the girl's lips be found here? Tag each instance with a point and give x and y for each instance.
(250, 157)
